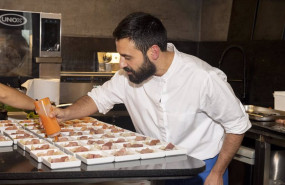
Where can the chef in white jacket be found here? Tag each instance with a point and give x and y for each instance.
(170, 95)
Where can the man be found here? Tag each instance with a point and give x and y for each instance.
(169, 95)
(15, 98)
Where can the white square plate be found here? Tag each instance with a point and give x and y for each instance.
(175, 151)
(38, 155)
(24, 142)
(63, 145)
(72, 162)
(29, 148)
(7, 141)
(76, 149)
(156, 153)
(127, 156)
(105, 157)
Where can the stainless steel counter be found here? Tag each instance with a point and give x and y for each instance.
(265, 134)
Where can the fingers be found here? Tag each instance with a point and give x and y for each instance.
(281, 121)
(53, 113)
(57, 113)
(41, 124)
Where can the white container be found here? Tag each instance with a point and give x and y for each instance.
(71, 161)
(279, 100)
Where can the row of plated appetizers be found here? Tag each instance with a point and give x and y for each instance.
(85, 140)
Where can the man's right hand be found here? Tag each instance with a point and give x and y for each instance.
(84, 106)
(59, 114)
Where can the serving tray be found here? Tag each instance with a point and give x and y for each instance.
(263, 114)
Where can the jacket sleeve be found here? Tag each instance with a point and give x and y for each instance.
(219, 102)
(110, 93)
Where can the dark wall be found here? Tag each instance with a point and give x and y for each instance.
(258, 27)
(264, 67)
(79, 53)
(254, 29)
(264, 62)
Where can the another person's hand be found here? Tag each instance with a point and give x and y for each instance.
(281, 121)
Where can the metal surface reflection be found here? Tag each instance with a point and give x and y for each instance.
(277, 166)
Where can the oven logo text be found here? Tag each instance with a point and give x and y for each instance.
(12, 20)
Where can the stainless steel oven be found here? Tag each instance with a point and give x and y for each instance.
(25, 36)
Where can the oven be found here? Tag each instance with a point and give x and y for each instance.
(27, 39)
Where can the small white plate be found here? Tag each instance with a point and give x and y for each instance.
(29, 148)
(107, 136)
(157, 153)
(175, 151)
(12, 126)
(23, 142)
(6, 142)
(82, 137)
(128, 155)
(43, 153)
(63, 145)
(118, 140)
(77, 133)
(105, 157)
(132, 145)
(127, 134)
(94, 141)
(72, 162)
(14, 132)
(63, 139)
(38, 132)
(16, 139)
(72, 150)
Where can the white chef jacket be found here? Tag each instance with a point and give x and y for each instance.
(191, 105)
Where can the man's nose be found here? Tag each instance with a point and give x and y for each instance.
(122, 63)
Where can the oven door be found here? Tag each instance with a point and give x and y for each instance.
(50, 32)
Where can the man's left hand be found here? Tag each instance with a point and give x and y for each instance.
(214, 179)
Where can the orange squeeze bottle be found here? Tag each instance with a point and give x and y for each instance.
(43, 108)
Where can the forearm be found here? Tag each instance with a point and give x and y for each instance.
(85, 106)
(15, 98)
(25, 102)
(230, 146)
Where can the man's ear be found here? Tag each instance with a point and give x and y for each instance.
(154, 52)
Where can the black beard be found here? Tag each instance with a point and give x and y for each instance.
(146, 70)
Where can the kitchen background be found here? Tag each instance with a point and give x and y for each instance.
(249, 32)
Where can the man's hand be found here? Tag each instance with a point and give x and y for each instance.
(59, 114)
(230, 146)
(84, 106)
(214, 179)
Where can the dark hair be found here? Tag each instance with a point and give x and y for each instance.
(144, 29)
